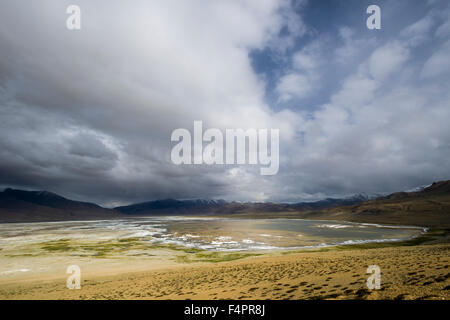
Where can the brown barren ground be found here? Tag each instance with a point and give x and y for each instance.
(407, 272)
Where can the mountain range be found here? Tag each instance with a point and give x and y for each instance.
(175, 207)
(32, 206)
(429, 206)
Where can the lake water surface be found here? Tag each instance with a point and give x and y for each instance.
(221, 234)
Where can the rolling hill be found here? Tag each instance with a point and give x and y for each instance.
(199, 206)
(32, 206)
(428, 207)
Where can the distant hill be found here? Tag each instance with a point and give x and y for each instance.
(33, 206)
(171, 207)
(180, 207)
(20, 206)
(427, 207)
(328, 203)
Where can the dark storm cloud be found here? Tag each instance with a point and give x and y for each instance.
(89, 113)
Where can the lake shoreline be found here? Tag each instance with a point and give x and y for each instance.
(170, 262)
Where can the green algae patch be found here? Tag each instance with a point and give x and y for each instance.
(57, 245)
(110, 249)
(214, 256)
(430, 237)
(94, 249)
(177, 248)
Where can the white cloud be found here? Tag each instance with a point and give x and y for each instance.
(304, 61)
(131, 75)
(419, 32)
(292, 86)
(387, 60)
(97, 107)
(293, 26)
(439, 63)
(304, 75)
(443, 30)
(353, 48)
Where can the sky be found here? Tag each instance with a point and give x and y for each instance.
(89, 113)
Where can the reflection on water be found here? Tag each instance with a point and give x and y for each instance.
(222, 234)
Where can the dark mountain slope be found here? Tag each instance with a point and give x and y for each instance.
(27, 206)
(428, 207)
(176, 207)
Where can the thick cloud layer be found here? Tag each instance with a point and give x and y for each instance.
(89, 113)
